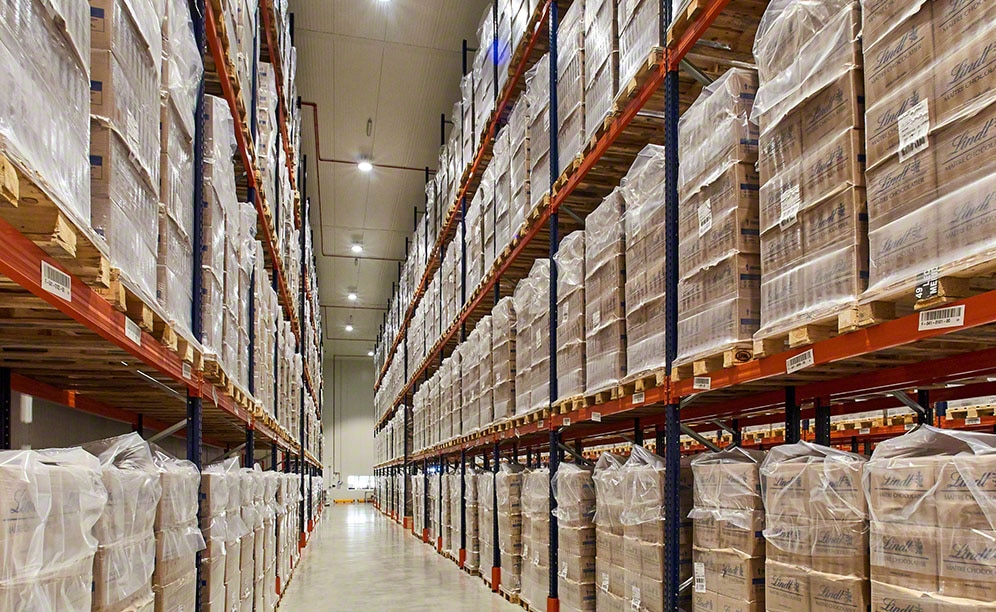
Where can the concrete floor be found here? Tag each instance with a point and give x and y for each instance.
(358, 559)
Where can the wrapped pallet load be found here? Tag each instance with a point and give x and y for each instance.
(719, 270)
(815, 528)
(472, 554)
(485, 374)
(601, 63)
(570, 86)
(574, 490)
(51, 500)
(931, 499)
(810, 111)
(929, 93)
(537, 97)
(508, 491)
(535, 537)
(126, 555)
(610, 559)
(604, 298)
(728, 520)
(520, 163)
(570, 316)
(532, 339)
(485, 524)
(178, 535)
(503, 331)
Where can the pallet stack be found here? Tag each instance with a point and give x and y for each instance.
(570, 86)
(575, 493)
(485, 523)
(472, 561)
(571, 353)
(610, 558)
(537, 97)
(535, 538)
(178, 535)
(532, 339)
(604, 308)
(503, 343)
(601, 63)
(508, 491)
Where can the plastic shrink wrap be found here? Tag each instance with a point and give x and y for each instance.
(537, 97)
(45, 105)
(719, 270)
(610, 559)
(810, 111)
(929, 93)
(485, 370)
(601, 63)
(472, 561)
(570, 86)
(51, 501)
(178, 534)
(520, 163)
(932, 503)
(485, 523)
(501, 168)
(471, 382)
(574, 491)
(535, 536)
(508, 492)
(532, 339)
(728, 519)
(816, 529)
(126, 552)
(643, 193)
(604, 300)
(571, 368)
(503, 338)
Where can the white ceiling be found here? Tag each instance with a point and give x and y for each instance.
(397, 63)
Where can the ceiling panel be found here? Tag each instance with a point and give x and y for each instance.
(381, 73)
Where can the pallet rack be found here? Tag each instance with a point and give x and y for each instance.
(89, 344)
(891, 364)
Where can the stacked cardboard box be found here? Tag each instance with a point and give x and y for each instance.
(454, 392)
(570, 86)
(604, 307)
(508, 493)
(251, 539)
(126, 553)
(643, 520)
(472, 560)
(288, 524)
(810, 111)
(485, 523)
(640, 32)
(503, 40)
(501, 168)
(418, 503)
(468, 129)
(728, 544)
(503, 338)
(447, 516)
(571, 367)
(815, 528)
(643, 190)
(930, 496)
(445, 399)
(489, 246)
(929, 94)
(575, 494)
(474, 237)
(178, 535)
(520, 163)
(45, 54)
(601, 62)
(471, 382)
(535, 537)
(719, 291)
(435, 531)
(483, 69)
(215, 489)
(532, 339)
(485, 370)
(125, 73)
(456, 517)
(610, 558)
(537, 96)
(51, 501)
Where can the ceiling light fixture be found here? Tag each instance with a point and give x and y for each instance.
(349, 327)
(351, 297)
(370, 353)
(365, 166)
(356, 248)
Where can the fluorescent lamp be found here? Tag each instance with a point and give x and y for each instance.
(351, 297)
(349, 327)
(356, 248)
(364, 166)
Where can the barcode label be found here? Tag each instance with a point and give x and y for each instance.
(702, 383)
(605, 581)
(636, 598)
(639, 398)
(865, 430)
(705, 217)
(596, 417)
(800, 361)
(186, 371)
(567, 422)
(56, 282)
(914, 125)
(791, 200)
(953, 316)
(700, 584)
(133, 332)
(539, 424)
(973, 421)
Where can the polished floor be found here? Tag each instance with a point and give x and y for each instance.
(358, 559)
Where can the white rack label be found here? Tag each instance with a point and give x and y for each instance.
(596, 417)
(639, 398)
(702, 383)
(953, 316)
(800, 361)
(865, 430)
(56, 282)
(567, 422)
(539, 424)
(133, 332)
(700, 583)
(705, 217)
(791, 201)
(914, 125)
(186, 371)
(973, 421)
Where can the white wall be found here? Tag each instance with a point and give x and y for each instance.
(348, 422)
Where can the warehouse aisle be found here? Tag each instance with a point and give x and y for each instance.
(359, 560)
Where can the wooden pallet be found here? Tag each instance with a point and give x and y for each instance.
(531, 417)
(741, 352)
(568, 405)
(610, 117)
(972, 412)
(628, 91)
(567, 173)
(508, 595)
(684, 18)
(638, 383)
(601, 397)
(850, 318)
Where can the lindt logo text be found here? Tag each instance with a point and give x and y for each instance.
(891, 117)
(913, 478)
(893, 180)
(841, 538)
(984, 479)
(912, 234)
(790, 585)
(964, 552)
(826, 165)
(891, 605)
(842, 595)
(828, 105)
(896, 545)
(967, 68)
(971, 210)
(969, 140)
(902, 45)
(836, 213)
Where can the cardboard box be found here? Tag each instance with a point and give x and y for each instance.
(732, 574)
(233, 561)
(840, 547)
(839, 494)
(122, 573)
(729, 604)
(213, 578)
(745, 534)
(577, 542)
(905, 53)
(704, 601)
(786, 587)
(833, 166)
(833, 109)
(832, 593)
(577, 569)
(882, 121)
(966, 150)
(787, 488)
(610, 578)
(900, 490)
(789, 539)
(904, 554)
(705, 533)
(610, 602)
(966, 486)
(887, 597)
(576, 595)
(780, 146)
(967, 563)
(180, 594)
